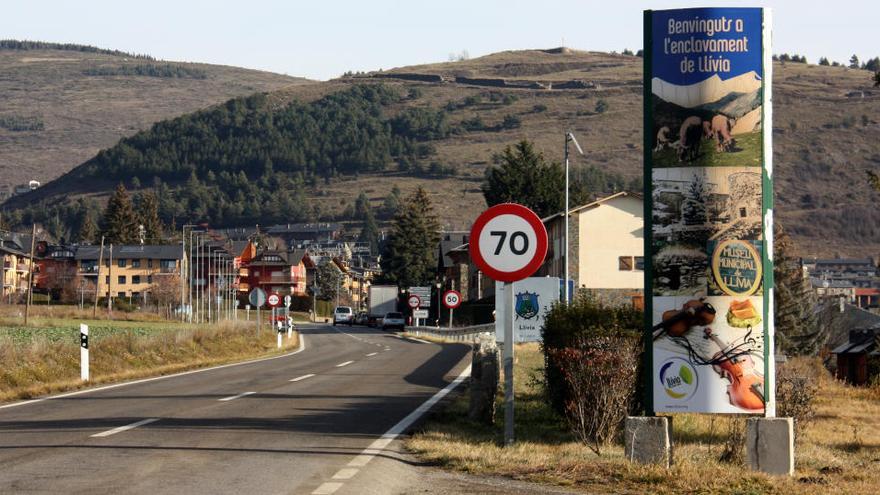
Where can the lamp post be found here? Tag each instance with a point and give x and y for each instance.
(569, 137)
(438, 285)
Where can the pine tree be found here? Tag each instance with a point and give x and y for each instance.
(694, 207)
(120, 223)
(797, 331)
(88, 231)
(370, 232)
(361, 207)
(524, 177)
(392, 202)
(148, 216)
(410, 254)
(854, 62)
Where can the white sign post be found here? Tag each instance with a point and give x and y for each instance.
(84, 352)
(508, 243)
(414, 301)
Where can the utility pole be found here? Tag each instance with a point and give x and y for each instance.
(568, 137)
(98, 279)
(110, 283)
(30, 292)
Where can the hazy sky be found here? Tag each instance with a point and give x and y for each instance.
(323, 39)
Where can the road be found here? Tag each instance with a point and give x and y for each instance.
(310, 422)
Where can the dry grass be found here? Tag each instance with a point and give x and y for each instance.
(41, 360)
(839, 452)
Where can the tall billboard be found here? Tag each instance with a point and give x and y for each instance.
(708, 208)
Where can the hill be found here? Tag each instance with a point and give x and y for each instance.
(438, 125)
(63, 103)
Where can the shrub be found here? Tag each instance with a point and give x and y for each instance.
(591, 354)
(600, 380)
(540, 107)
(601, 106)
(796, 389)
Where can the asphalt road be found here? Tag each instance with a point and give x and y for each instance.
(310, 422)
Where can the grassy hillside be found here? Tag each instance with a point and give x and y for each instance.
(825, 134)
(63, 103)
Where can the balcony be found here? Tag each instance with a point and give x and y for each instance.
(278, 279)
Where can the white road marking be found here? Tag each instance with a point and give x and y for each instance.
(125, 428)
(239, 396)
(376, 447)
(386, 349)
(420, 341)
(345, 473)
(340, 365)
(302, 347)
(303, 377)
(327, 489)
(372, 354)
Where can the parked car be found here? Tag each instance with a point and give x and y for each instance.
(343, 314)
(361, 318)
(393, 320)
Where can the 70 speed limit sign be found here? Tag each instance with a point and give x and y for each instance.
(508, 242)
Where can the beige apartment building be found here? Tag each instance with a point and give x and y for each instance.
(129, 271)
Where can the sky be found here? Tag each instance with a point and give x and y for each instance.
(324, 39)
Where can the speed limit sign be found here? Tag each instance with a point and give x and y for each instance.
(274, 300)
(508, 242)
(414, 301)
(452, 299)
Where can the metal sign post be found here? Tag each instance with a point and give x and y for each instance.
(257, 297)
(508, 243)
(414, 302)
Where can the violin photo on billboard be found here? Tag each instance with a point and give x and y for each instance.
(710, 353)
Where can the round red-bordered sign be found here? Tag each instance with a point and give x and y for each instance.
(508, 242)
(452, 299)
(274, 300)
(414, 301)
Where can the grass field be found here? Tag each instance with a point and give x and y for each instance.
(747, 153)
(43, 357)
(839, 452)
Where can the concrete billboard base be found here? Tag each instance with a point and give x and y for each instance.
(770, 445)
(648, 440)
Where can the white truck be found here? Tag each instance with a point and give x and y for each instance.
(383, 299)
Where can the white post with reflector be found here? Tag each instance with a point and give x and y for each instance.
(84, 352)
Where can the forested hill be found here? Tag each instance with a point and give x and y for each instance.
(62, 103)
(304, 153)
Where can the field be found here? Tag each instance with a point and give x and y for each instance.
(747, 153)
(838, 451)
(43, 357)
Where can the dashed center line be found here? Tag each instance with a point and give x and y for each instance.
(340, 365)
(372, 354)
(239, 396)
(125, 428)
(303, 377)
(345, 473)
(328, 488)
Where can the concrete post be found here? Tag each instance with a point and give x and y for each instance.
(648, 440)
(770, 445)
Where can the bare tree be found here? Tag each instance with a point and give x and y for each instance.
(166, 293)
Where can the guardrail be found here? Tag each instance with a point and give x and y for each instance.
(462, 334)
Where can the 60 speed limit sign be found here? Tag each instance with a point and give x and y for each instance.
(508, 242)
(452, 299)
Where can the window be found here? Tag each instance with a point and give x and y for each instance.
(742, 212)
(625, 263)
(640, 263)
(135, 263)
(149, 263)
(120, 294)
(149, 279)
(121, 279)
(135, 279)
(121, 262)
(107, 279)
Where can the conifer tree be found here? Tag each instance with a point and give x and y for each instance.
(523, 176)
(410, 253)
(797, 331)
(120, 223)
(370, 232)
(88, 231)
(148, 215)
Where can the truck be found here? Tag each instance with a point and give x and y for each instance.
(382, 299)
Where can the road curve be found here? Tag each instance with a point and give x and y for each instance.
(303, 423)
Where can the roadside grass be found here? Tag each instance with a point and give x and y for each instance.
(37, 360)
(839, 451)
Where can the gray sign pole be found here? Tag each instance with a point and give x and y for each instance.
(508, 365)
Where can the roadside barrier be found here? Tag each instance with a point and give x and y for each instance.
(462, 334)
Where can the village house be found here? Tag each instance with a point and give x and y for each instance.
(278, 270)
(858, 359)
(16, 266)
(605, 245)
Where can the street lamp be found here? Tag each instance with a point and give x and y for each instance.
(569, 137)
(438, 285)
